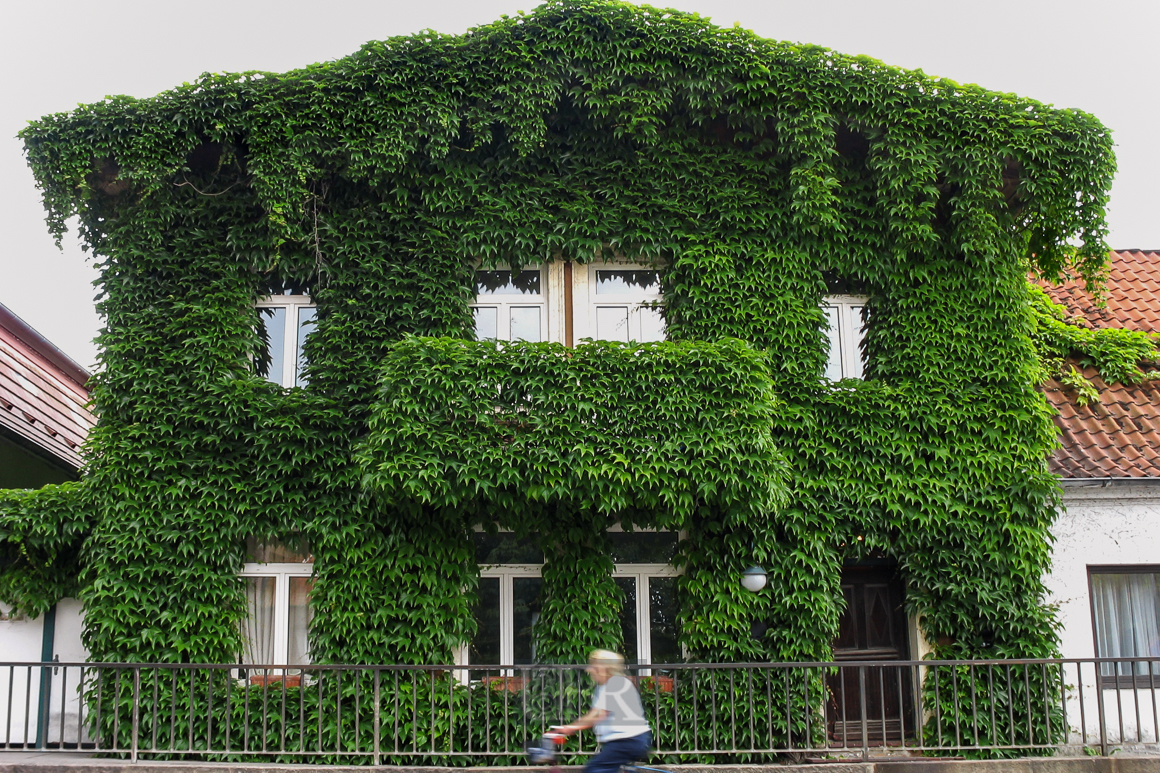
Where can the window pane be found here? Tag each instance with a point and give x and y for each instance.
(834, 363)
(612, 323)
(307, 321)
(662, 599)
(505, 548)
(643, 547)
(857, 322)
(258, 628)
(627, 586)
(298, 621)
(272, 335)
(486, 322)
(1127, 617)
(525, 323)
(526, 282)
(628, 282)
(484, 648)
(525, 615)
(652, 324)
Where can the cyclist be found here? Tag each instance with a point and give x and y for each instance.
(617, 716)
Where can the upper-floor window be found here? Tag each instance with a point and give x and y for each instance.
(510, 305)
(846, 321)
(284, 321)
(567, 302)
(623, 303)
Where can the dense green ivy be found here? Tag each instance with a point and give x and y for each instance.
(42, 533)
(753, 173)
(505, 429)
(564, 443)
(1064, 342)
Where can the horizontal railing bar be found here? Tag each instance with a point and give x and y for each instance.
(573, 666)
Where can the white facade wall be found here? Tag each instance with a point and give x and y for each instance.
(1118, 524)
(1102, 525)
(22, 641)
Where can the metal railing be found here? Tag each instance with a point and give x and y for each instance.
(467, 715)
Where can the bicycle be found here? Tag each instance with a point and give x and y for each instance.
(545, 754)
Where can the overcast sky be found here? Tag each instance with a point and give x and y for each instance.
(1098, 57)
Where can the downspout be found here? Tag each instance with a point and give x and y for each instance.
(43, 703)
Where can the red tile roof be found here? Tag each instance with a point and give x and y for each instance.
(43, 398)
(1133, 293)
(1120, 436)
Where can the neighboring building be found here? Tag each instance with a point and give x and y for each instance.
(44, 419)
(1105, 574)
(44, 414)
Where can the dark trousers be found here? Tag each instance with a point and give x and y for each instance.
(613, 754)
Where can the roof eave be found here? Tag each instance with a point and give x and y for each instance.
(42, 346)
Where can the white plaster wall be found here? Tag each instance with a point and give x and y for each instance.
(20, 637)
(1112, 525)
(1101, 525)
(21, 640)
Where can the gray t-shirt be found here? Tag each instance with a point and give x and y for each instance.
(625, 718)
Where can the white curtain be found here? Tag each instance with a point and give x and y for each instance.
(258, 629)
(1127, 611)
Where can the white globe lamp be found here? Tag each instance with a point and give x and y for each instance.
(753, 578)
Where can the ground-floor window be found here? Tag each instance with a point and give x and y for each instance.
(278, 582)
(1126, 617)
(649, 614)
(646, 577)
(509, 608)
(510, 587)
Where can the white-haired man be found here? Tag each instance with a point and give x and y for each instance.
(616, 714)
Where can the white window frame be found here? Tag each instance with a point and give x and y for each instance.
(1117, 679)
(643, 573)
(292, 303)
(507, 573)
(586, 301)
(503, 304)
(281, 572)
(850, 310)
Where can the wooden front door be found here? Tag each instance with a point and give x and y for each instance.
(873, 628)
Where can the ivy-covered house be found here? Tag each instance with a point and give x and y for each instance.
(502, 346)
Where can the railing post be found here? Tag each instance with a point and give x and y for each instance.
(136, 710)
(862, 703)
(1100, 710)
(377, 759)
